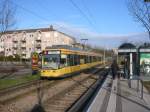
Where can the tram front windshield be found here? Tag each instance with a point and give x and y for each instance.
(51, 61)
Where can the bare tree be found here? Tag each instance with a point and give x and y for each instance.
(7, 12)
(140, 10)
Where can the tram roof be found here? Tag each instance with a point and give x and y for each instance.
(71, 49)
(64, 47)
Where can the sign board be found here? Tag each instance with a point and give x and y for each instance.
(126, 50)
(144, 50)
(34, 59)
(145, 64)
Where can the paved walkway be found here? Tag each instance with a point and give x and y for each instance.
(116, 96)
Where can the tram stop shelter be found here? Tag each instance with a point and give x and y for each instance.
(127, 56)
(136, 63)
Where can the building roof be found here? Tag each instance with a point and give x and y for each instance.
(127, 46)
(40, 29)
(30, 30)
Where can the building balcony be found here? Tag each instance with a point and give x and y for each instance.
(38, 38)
(23, 56)
(38, 45)
(15, 46)
(23, 40)
(15, 40)
(23, 45)
(14, 52)
(23, 52)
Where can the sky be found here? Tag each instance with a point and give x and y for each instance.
(105, 23)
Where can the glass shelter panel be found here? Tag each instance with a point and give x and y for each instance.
(145, 64)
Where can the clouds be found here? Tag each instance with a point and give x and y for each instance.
(95, 38)
(99, 39)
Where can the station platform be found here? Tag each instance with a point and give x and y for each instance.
(116, 96)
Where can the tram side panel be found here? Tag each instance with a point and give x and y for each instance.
(70, 63)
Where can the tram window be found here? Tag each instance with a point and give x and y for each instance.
(75, 60)
(87, 59)
(94, 59)
(71, 60)
(82, 60)
(50, 61)
(90, 58)
(63, 61)
(100, 58)
(78, 59)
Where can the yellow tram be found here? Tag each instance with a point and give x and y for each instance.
(61, 61)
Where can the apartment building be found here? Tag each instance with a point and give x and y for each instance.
(23, 42)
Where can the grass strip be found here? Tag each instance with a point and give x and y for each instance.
(5, 83)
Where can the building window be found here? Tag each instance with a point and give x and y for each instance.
(31, 35)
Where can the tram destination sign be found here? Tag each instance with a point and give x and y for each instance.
(53, 52)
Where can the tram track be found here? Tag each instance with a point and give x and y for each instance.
(65, 100)
(15, 91)
(13, 88)
(11, 93)
(50, 88)
(62, 101)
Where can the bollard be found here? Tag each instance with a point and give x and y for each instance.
(137, 85)
(141, 89)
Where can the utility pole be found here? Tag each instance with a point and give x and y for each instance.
(104, 56)
(84, 41)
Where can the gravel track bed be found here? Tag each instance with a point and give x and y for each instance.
(61, 102)
(10, 94)
(26, 102)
